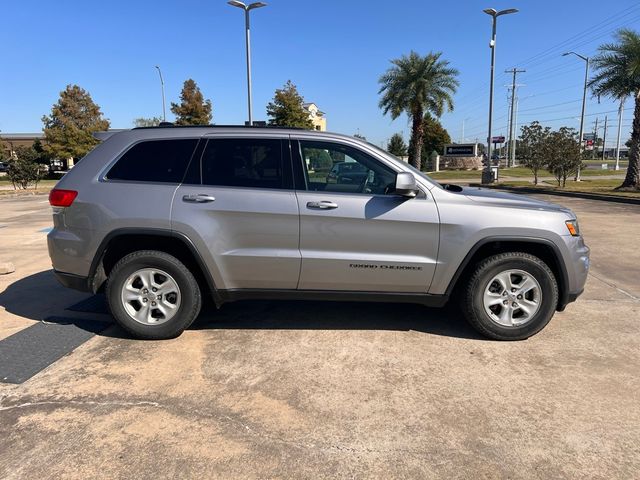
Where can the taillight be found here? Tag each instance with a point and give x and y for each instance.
(62, 198)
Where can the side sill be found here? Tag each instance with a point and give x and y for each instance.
(233, 295)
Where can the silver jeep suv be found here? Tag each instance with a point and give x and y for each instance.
(159, 217)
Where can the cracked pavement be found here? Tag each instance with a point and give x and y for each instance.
(330, 390)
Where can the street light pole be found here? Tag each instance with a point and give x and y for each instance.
(584, 103)
(247, 9)
(164, 111)
(486, 177)
(620, 114)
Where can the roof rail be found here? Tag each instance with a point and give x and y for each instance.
(172, 125)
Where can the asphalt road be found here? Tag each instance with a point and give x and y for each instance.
(330, 390)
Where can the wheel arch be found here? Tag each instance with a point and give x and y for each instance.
(121, 242)
(544, 249)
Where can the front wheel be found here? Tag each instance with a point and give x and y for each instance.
(152, 295)
(510, 296)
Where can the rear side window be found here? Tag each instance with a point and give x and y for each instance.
(256, 163)
(154, 161)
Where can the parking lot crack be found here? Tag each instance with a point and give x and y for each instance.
(614, 286)
(115, 403)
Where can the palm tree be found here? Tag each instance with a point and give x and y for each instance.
(617, 76)
(417, 85)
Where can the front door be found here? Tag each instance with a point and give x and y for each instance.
(355, 234)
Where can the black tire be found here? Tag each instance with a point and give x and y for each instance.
(190, 296)
(472, 298)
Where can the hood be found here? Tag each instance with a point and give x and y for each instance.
(497, 198)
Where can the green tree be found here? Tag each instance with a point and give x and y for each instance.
(533, 142)
(617, 75)
(416, 85)
(147, 121)
(286, 108)
(562, 154)
(397, 145)
(24, 169)
(435, 136)
(193, 109)
(361, 137)
(69, 129)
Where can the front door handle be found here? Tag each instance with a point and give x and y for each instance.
(322, 205)
(198, 198)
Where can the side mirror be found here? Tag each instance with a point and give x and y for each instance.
(406, 185)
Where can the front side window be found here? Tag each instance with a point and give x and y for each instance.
(256, 163)
(154, 161)
(333, 167)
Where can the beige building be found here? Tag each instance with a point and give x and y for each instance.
(11, 141)
(317, 117)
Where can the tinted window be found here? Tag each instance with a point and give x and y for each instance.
(243, 163)
(333, 167)
(154, 161)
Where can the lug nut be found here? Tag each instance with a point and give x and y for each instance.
(154, 289)
(513, 290)
(153, 304)
(519, 297)
(514, 305)
(144, 300)
(505, 302)
(145, 291)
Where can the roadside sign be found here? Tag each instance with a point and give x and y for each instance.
(589, 136)
(497, 139)
(461, 150)
(589, 145)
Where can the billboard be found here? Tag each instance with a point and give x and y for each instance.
(461, 150)
(497, 139)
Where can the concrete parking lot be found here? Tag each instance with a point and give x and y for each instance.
(326, 390)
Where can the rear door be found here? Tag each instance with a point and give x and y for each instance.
(354, 233)
(238, 205)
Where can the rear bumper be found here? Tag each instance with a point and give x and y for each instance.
(75, 282)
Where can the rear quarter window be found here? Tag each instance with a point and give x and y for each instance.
(162, 161)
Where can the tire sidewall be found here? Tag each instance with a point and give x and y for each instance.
(189, 303)
(547, 308)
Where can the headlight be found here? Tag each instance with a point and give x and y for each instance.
(572, 226)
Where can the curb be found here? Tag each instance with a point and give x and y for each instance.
(587, 196)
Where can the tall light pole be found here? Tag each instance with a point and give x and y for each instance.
(620, 114)
(584, 103)
(247, 9)
(486, 177)
(462, 136)
(164, 108)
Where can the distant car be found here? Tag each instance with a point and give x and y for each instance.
(3, 167)
(347, 172)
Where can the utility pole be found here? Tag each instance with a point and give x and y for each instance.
(595, 141)
(604, 138)
(512, 149)
(620, 113)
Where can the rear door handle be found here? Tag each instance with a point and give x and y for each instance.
(198, 198)
(322, 205)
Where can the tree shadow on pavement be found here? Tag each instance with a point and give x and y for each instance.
(40, 297)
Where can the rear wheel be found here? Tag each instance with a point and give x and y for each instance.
(511, 296)
(152, 295)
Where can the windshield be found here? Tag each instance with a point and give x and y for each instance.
(413, 169)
